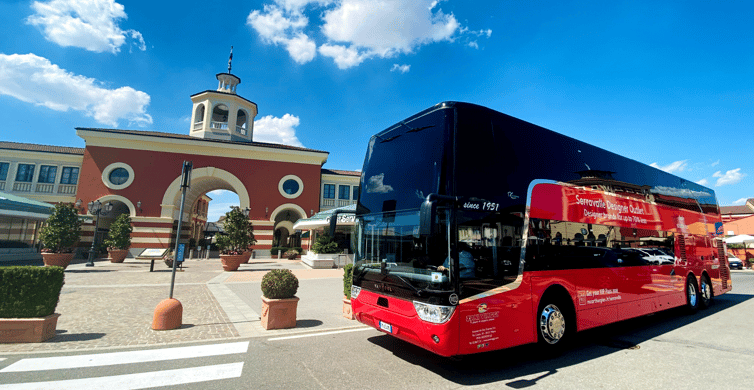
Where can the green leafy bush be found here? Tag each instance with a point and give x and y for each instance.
(29, 291)
(62, 229)
(274, 250)
(279, 284)
(347, 280)
(325, 244)
(239, 233)
(119, 236)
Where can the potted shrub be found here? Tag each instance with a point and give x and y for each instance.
(60, 232)
(168, 257)
(119, 238)
(238, 238)
(274, 252)
(347, 281)
(291, 254)
(27, 309)
(279, 301)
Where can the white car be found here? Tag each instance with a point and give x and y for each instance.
(653, 256)
(734, 262)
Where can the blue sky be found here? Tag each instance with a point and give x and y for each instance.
(665, 83)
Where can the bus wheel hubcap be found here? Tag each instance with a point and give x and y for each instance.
(552, 324)
(692, 294)
(706, 293)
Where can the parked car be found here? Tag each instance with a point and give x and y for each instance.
(735, 262)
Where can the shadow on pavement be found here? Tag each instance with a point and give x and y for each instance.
(509, 365)
(73, 337)
(308, 323)
(86, 271)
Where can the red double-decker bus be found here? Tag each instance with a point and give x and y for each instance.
(478, 231)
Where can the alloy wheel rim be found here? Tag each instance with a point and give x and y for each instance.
(552, 324)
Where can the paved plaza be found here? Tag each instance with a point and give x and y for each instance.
(112, 305)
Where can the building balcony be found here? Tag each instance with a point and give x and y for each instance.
(45, 188)
(219, 125)
(326, 204)
(22, 187)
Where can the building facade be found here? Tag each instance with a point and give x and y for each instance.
(139, 172)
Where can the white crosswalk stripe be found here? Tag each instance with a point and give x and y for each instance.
(142, 380)
(139, 380)
(107, 359)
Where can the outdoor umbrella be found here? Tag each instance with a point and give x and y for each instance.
(740, 239)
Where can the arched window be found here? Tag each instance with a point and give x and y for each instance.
(199, 117)
(241, 122)
(220, 117)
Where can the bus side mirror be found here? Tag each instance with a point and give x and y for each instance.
(427, 214)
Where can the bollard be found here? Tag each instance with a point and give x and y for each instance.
(168, 315)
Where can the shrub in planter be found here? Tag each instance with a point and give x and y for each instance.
(29, 298)
(347, 280)
(119, 238)
(291, 254)
(325, 244)
(274, 250)
(279, 302)
(239, 233)
(279, 284)
(61, 230)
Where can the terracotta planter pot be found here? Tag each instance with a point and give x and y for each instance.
(28, 330)
(59, 259)
(248, 256)
(117, 255)
(274, 256)
(232, 262)
(279, 313)
(347, 312)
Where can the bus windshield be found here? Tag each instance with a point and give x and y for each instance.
(391, 253)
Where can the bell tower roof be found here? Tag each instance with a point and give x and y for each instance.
(222, 114)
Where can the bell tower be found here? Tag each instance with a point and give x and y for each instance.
(222, 114)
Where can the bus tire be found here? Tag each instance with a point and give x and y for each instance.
(705, 293)
(555, 325)
(692, 294)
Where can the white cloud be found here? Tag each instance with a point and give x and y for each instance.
(357, 30)
(89, 24)
(703, 182)
(677, 166)
(376, 185)
(730, 177)
(34, 79)
(715, 163)
(400, 68)
(277, 130)
(740, 202)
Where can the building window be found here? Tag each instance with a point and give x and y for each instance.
(25, 173)
(117, 176)
(290, 186)
(47, 174)
(344, 192)
(355, 193)
(70, 175)
(329, 191)
(4, 171)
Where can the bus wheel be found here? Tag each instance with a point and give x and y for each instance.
(552, 324)
(705, 293)
(692, 295)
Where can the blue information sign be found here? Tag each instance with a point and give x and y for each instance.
(181, 250)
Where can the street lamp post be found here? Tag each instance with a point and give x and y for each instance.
(96, 209)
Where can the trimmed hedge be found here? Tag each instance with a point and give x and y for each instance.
(347, 280)
(29, 291)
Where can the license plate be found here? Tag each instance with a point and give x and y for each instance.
(386, 327)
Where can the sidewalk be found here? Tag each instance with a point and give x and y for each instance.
(112, 305)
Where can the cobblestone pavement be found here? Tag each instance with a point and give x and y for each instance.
(112, 305)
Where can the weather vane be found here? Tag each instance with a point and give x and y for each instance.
(230, 59)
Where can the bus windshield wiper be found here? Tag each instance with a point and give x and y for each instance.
(390, 139)
(418, 129)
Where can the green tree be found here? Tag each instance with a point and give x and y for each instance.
(325, 244)
(239, 233)
(62, 229)
(119, 236)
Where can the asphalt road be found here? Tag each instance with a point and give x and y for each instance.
(713, 349)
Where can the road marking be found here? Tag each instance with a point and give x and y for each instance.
(1, 359)
(318, 334)
(112, 358)
(142, 380)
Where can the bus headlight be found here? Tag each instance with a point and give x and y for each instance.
(433, 313)
(355, 290)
